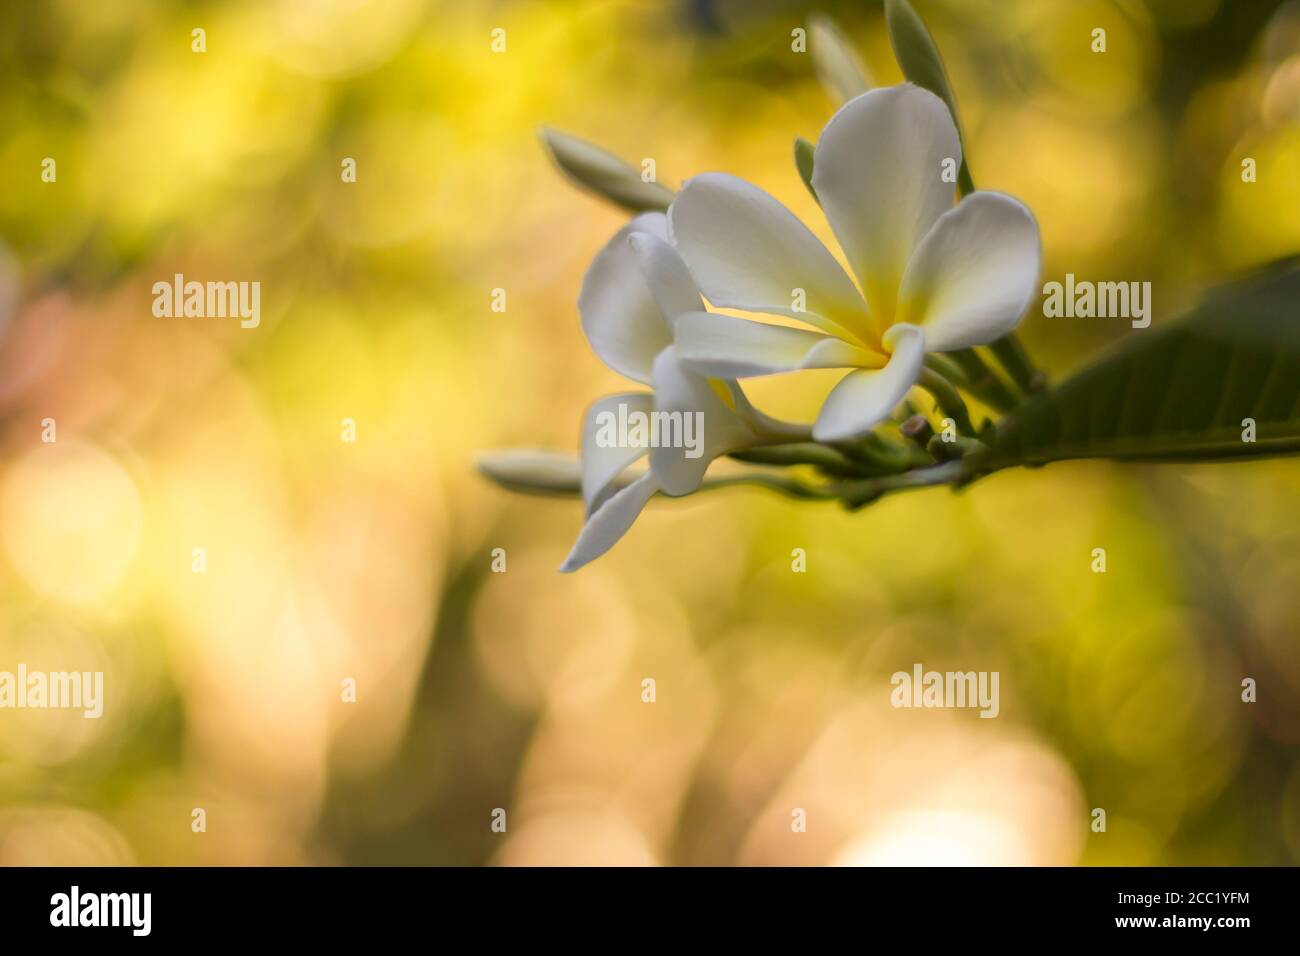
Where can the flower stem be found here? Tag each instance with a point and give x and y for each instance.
(857, 494)
(773, 431)
(779, 483)
(958, 448)
(798, 453)
(948, 399)
(880, 455)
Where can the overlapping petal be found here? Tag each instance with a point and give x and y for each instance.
(620, 315)
(669, 280)
(864, 398)
(878, 171)
(729, 347)
(716, 428)
(974, 273)
(747, 251)
(602, 463)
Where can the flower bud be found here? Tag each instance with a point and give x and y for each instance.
(604, 174)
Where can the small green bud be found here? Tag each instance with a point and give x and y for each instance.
(601, 172)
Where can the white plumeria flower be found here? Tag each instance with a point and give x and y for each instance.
(933, 277)
(634, 290)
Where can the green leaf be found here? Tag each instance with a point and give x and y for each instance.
(920, 62)
(1181, 392)
(803, 161)
(604, 174)
(839, 68)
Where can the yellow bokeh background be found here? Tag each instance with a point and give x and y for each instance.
(326, 561)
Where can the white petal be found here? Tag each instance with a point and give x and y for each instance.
(878, 173)
(863, 399)
(728, 347)
(620, 316)
(669, 280)
(603, 461)
(704, 424)
(974, 273)
(747, 251)
(610, 522)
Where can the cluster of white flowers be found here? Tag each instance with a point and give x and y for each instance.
(931, 277)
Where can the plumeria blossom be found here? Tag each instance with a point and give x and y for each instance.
(931, 276)
(632, 295)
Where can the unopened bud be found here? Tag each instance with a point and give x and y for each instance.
(533, 472)
(604, 174)
(839, 68)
